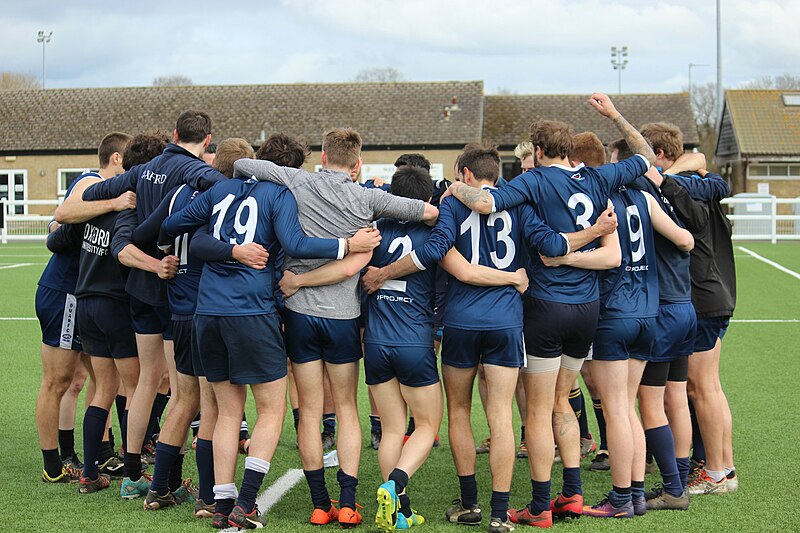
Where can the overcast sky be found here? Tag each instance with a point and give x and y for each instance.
(524, 46)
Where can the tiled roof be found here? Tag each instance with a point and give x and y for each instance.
(763, 125)
(386, 114)
(508, 117)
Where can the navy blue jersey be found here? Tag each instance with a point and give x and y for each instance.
(401, 312)
(500, 241)
(152, 181)
(241, 211)
(568, 200)
(61, 272)
(183, 288)
(631, 289)
(674, 279)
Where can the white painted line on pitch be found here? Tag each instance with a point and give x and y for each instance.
(770, 263)
(267, 499)
(17, 318)
(775, 321)
(16, 265)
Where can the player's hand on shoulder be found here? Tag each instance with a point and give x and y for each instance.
(365, 240)
(522, 283)
(126, 200)
(607, 221)
(252, 255)
(603, 104)
(287, 284)
(372, 279)
(169, 267)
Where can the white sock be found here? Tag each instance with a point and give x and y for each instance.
(256, 464)
(716, 475)
(729, 470)
(226, 491)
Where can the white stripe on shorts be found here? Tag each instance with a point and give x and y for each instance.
(68, 322)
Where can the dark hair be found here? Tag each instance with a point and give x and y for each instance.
(622, 148)
(412, 182)
(230, 151)
(284, 150)
(113, 142)
(143, 148)
(342, 147)
(553, 137)
(588, 149)
(193, 126)
(211, 148)
(482, 160)
(413, 160)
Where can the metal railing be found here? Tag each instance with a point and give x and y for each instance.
(23, 227)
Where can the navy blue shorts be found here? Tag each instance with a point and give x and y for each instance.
(310, 338)
(413, 366)
(57, 313)
(553, 329)
(149, 320)
(463, 348)
(676, 326)
(241, 349)
(105, 326)
(185, 343)
(709, 330)
(619, 339)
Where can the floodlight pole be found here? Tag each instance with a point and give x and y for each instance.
(719, 64)
(619, 61)
(43, 38)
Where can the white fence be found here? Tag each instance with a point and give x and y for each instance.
(754, 218)
(22, 227)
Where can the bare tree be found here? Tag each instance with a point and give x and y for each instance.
(377, 74)
(174, 80)
(704, 104)
(16, 81)
(504, 91)
(785, 81)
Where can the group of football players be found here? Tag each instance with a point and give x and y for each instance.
(173, 276)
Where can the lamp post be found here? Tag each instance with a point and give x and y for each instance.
(43, 38)
(619, 61)
(691, 66)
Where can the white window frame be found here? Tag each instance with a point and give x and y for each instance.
(10, 172)
(63, 191)
(769, 166)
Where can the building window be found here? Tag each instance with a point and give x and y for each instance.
(774, 171)
(13, 187)
(510, 168)
(67, 175)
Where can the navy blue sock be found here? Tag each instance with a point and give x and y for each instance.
(411, 426)
(683, 470)
(119, 403)
(522, 433)
(329, 423)
(111, 443)
(176, 473)
(698, 448)
(66, 442)
(347, 487)
(244, 430)
(204, 456)
(251, 483)
(619, 496)
(52, 462)
(601, 423)
(133, 465)
(159, 404)
(405, 505)
(296, 417)
(400, 479)
(123, 429)
(540, 497)
(661, 445)
(316, 485)
(165, 456)
(94, 426)
(572, 482)
(637, 489)
(225, 506)
(499, 505)
(469, 490)
(374, 423)
(579, 406)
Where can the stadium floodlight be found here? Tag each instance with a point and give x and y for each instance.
(43, 38)
(619, 60)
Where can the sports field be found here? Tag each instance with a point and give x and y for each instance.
(760, 371)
